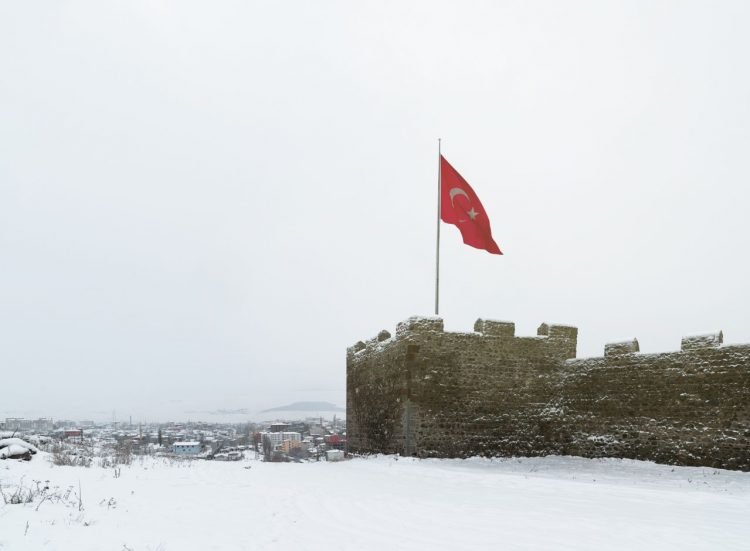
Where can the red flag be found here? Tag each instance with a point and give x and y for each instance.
(459, 205)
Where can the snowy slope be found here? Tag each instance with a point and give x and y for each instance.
(378, 503)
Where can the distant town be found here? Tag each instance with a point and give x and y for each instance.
(84, 442)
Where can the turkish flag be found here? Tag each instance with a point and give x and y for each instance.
(459, 205)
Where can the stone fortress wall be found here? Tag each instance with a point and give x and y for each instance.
(430, 393)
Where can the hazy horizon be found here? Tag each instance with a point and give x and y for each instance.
(203, 205)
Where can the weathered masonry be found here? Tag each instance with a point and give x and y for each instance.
(429, 393)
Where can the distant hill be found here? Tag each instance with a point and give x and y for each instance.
(307, 406)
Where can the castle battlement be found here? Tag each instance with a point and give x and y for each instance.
(562, 338)
(427, 392)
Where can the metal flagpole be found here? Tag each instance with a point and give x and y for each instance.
(437, 249)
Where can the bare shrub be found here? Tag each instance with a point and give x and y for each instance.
(20, 494)
(72, 456)
(123, 453)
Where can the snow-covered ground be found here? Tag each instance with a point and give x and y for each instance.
(379, 503)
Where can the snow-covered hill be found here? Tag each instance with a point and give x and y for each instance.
(376, 503)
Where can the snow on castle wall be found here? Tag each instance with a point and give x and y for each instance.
(432, 393)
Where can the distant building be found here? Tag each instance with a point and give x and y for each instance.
(42, 424)
(277, 438)
(335, 441)
(279, 427)
(288, 445)
(186, 448)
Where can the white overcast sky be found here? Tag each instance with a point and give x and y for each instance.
(202, 204)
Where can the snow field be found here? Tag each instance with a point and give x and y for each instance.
(378, 503)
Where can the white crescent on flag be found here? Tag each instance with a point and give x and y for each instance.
(457, 191)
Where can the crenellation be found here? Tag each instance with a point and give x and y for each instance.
(432, 393)
(623, 347)
(420, 324)
(696, 342)
(495, 328)
(557, 331)
(356, 347)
